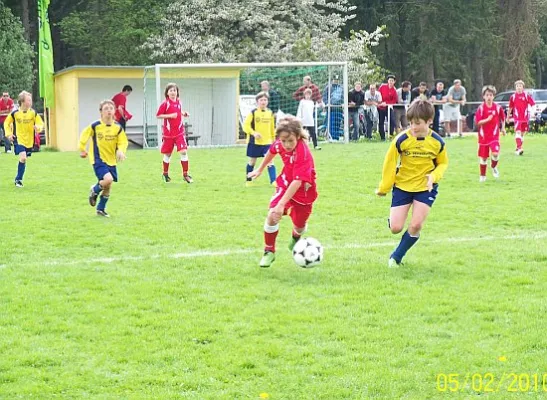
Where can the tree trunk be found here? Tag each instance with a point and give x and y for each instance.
(477, 67)
(539, 72)
(25, 18)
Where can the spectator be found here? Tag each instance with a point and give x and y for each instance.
(420, 92)
(385, 109)
(6, 107)
(356, 100)
(403, 101)
(275, 102)
(372, 99)
(334, 107)
(438, 98)
(455, 98)
(305, 112)
(315, 92)
(121, 114)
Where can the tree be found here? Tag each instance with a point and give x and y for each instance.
(16, 54)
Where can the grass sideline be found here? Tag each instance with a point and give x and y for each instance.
(165, 299)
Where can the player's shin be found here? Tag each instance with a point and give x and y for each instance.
(518, 140)
(103, 199)
(249, 170)
(494, 160)
(270, 236)
(407, 241)
(184, 163)
(20, 170)
(166, 160)
(482, 166)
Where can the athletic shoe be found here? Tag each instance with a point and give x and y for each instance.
(18, 183)
(249, 183)
(93, 197)
(188, 179)
(521, 152)
(166, 178)
(495, 173)
(103, 213)
(292, 243)
(317, 148)
(392, 263)
(8, 152)
(482, 179)
(267, 259)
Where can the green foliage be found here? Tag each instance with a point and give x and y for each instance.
(111, 32)
(16, 55)
(165, 300)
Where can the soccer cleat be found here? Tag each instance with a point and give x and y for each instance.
(521, 152)
(293, 242)
(188, 178)
(317, 148)
(166, 178)
(18, 183)
(495, 172)
(267, 259)
(482, 179)
(103, 213)
(93, 197)
(8, 152)
(392, 263)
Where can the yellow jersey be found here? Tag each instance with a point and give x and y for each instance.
(105, 141)
(263, 122)
(417, 158)
(21, 125)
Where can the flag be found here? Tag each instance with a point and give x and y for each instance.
(45, 55)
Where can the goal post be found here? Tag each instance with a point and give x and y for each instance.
(219, 96)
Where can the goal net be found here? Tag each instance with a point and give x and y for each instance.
(218, 97)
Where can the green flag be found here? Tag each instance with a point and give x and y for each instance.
(45, 55)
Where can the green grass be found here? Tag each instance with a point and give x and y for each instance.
(165, 300)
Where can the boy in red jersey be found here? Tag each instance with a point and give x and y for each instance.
(121, 114)
(296, 190)
(519, 111)
(385, 109)
(488, 119)
(173, 131)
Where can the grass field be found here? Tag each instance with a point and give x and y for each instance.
(165, 299)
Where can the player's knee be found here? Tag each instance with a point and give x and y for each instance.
(272, 220)
(415, 227)
(484, 161)
(252, 161)
(183, 156)
(495, 156)
(166, 158)
(107, 181)
(395, 227)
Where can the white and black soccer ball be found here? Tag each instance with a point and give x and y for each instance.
(307, 252)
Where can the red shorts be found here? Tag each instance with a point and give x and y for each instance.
(521, 126)
(169, 143)
(299, 213)
(485, 149)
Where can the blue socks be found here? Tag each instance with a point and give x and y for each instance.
(102, 202)
(271, 172)
(97, 188)
(20, 171)
(406, 243)
(249, 170)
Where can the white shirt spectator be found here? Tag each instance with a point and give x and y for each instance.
(375, 97)
(305, 112)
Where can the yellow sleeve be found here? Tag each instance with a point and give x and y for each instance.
(122, 141)
(39, 123)
(84, 137)
(272, 130)
(442, 165)
(247, 124)
(389, 170)
(8, 125)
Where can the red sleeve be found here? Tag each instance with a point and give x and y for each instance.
(478, 115)
(299, 94)
(512, 101)
(274, 148)
(119, 100)
(303, 163)
(162, 109)
(531, 100)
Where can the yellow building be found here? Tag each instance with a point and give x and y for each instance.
(210, 95)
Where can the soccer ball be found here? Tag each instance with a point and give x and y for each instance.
(307, 252)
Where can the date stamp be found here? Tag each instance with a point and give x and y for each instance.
(490, 382)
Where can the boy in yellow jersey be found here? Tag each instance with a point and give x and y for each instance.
(108, 145)
(260, 129)
(422, 161)
(20, 127)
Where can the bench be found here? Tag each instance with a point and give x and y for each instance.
(190, 135)
(135, 135)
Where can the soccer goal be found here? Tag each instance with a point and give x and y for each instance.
(218, 97)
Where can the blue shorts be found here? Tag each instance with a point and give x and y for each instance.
(101, 169)
(401, 197)
(20, 148)
(256, 150)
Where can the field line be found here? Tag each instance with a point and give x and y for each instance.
(232, 252)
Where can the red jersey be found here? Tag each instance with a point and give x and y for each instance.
(172, 127)
(519, 105)
(119, 100)
(5, 106)
(297, 165)
(489, 132)
(389, 95)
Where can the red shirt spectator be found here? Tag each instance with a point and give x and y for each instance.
(315, 92)
(389, 94)
(120, 100)
(6, 105)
